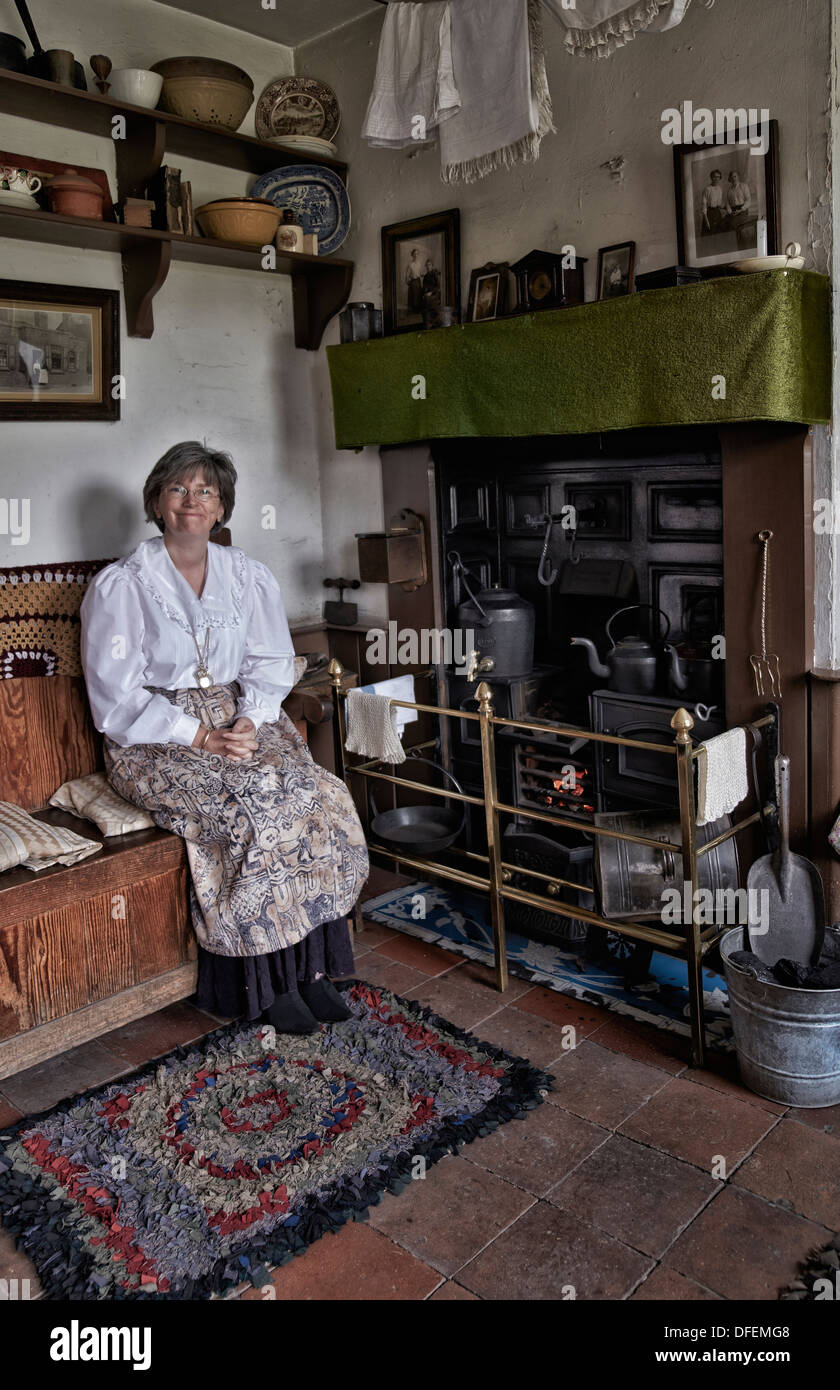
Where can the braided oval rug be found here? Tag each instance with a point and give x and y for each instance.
(202, 1169)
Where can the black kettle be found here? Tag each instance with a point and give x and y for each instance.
(502, 625)
(631, 665)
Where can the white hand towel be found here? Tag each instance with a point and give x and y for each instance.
(721, 775)
(397, 688)
(372, 727)
(497, 51)
(414, 77)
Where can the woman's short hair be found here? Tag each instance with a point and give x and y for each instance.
(182, 462)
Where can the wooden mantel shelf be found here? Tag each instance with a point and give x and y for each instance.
(320, 284)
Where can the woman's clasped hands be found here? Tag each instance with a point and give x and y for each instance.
(238, 742)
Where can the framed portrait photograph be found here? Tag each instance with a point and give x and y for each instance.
(616, 270)
(488, 292)
(59, 352)
(421, 270)
(722, 191)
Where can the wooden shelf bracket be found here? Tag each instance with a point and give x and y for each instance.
(145, 267)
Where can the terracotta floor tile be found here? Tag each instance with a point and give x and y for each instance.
(355, 1264)
(464, 1002)
(603, 1086)
(383, 881)
(744, 1248)
(638, 1195)
(158, 1033)
(8, 1112)
(547, 1254)
(379, 970)
(372, 935)
(537, 1151)
(563, 1009)
(449, 1292)
(799, 1168)
(15, 1265)
(828, 1120)
(698, 1124)
(666, 1286)
(451, 1214)
(39, 1088)
(484, 974)
(721, 1074)
(409, 950)
(523, 1035)
(656, 1046)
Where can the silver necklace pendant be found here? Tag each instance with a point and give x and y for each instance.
(203, 676)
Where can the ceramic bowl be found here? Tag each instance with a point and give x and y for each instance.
(202, 67)
(137, 86)
(212, 100)
(248, 221)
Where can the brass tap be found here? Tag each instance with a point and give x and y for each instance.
(478, 667)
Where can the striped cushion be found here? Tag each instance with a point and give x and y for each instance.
(36, 845)
(94, 799)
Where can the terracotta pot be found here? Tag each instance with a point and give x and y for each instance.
(75, 196)
(248, 221)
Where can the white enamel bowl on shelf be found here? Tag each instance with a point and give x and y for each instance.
(791, 260)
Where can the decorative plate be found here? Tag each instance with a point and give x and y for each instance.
(18, 200)
(318, 197)
(311, 144)
(297, 106)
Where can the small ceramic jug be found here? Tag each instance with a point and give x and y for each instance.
(18, 180)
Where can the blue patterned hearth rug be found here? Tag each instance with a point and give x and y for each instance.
(459, 921)
(204, 1169)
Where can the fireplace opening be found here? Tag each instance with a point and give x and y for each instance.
(640, 571)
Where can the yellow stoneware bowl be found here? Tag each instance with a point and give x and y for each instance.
(247, 221)
(212, 100)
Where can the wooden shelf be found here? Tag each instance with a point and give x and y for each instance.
(320, 284)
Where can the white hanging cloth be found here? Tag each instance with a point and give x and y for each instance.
(596, 28)
(499, 62)
(414, 77)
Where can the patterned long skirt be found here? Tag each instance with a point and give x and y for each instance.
(275, 846)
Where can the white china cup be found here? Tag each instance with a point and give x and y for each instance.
(136, 86)
(20, 180)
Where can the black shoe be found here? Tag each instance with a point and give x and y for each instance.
(289, 1014)
(324, 1000)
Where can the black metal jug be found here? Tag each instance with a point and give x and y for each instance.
(502, 624)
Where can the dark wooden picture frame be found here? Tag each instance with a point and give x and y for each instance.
(491, 270)
(420, 242)
(615, 256)
(715, 151)
(23, 393)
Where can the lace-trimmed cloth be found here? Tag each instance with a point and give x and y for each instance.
(597, 28)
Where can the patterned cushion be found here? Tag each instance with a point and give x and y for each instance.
(94, 799)
(36, 845)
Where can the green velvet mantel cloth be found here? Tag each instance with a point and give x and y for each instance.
(645, 359)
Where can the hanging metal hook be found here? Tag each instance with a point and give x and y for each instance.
(547, 576)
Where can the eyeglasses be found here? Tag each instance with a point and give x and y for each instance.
(203, 494)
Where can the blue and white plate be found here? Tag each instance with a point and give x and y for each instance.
(318, 197)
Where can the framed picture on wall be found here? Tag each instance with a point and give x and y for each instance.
(421, 270)
(723, 190)
(616, 268)
(59, 352)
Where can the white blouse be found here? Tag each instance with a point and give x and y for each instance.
(138, 616)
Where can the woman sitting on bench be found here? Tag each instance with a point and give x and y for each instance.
(187, 658)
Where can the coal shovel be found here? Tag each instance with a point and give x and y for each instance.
(785, 893)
